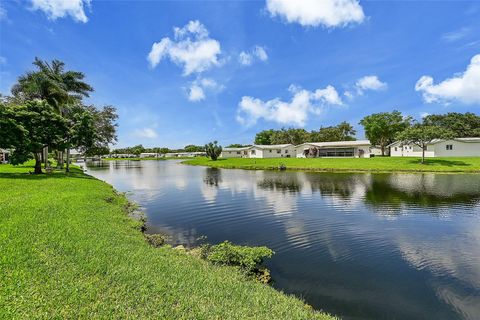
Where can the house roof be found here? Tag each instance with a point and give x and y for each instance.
(236, 149)
(337, 143)
(465, 140)
(272, 146)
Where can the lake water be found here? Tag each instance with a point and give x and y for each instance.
(358, 245)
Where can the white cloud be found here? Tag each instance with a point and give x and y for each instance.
(191, 49)
(456, 35)
(369, 83)
(295, 112)
(257, 53)
(61, 8)
(145, 133)
(197, 89)
(329, 13)
(3, 60)
(464, 87)
(424, 114)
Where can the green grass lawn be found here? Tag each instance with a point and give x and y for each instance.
(69, 250)
(348, 164)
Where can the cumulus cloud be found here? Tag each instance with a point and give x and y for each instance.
(197, 89)
(329, 13)
(369, 83)
(464, 87)
(294, 112)
(191, 48)
(55, 9)
(257, 53)
(145, 133)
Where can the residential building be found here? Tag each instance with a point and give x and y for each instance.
(336, 149)
(4, 155)
(272, 151)
(458, 147)
(235, 152)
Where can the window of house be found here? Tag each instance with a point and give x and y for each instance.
(238, 152)
(252, 152)
(270, 151)
(396, 149)
(449, 146)
(286, 151)
(279, 151)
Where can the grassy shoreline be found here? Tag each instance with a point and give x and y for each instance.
(68, 249)
(377, 164)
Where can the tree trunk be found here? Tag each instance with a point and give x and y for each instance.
(38, 163)
(68, 160)
(383, 150)
(423, 154)
(60, 160)
(45, 157)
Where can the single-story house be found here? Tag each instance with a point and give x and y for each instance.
(335, 149)
(272, 151)
(235, 152)
(458, 147)
(4, 155)
(185, 154)
(149, 155)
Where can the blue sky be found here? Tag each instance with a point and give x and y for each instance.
(231, 69)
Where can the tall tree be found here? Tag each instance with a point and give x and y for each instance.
(264, 137)
(382, 128)
(31, 126)
(290, 135)
(50, 82)
(421, 135)
(462, 124)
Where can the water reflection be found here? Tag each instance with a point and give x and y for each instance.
(362, 246)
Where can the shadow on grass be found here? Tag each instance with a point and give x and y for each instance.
(28, 174)
(441, 162)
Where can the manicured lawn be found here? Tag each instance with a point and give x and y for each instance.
(348, 164)
(69, 250)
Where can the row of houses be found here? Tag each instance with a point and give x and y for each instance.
(159, 155)
(461, 147)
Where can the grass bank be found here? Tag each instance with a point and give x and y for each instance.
(69, 250)
(379, 164)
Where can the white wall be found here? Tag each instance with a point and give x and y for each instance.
(411, 151)
(460, 149)
(233, 154)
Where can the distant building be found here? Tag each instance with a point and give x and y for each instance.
(336, 149)
(459, 147)
(4, 156)
(149, 155)
(235, 152)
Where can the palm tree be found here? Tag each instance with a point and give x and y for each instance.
(52, 83)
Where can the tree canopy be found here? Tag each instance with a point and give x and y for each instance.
(382, 128)
(421, 135)
(463, 125)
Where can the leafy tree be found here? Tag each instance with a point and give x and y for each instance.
(290, 135)
(137, 149)
(421, 135)
(237, 145)
(342, 132)
(34, 125)
(213, 150)
(59, 88)
(462, 124)
(382, 128)
(264, 137)
(164, 150)
(193, 148)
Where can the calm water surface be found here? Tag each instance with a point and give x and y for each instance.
(361, 246)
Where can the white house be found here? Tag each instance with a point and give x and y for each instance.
(4, 155)
(458, 147)
(149, 155)
(235, 152)
(272, 151)
(336, 149)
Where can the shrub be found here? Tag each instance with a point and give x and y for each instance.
(247, 258)
(156, 240)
